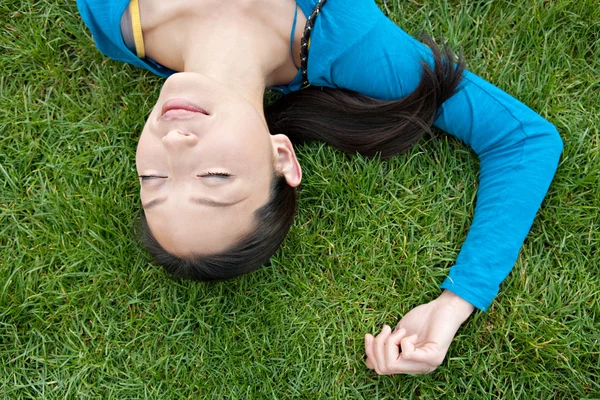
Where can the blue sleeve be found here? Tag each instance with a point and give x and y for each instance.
(518, 152)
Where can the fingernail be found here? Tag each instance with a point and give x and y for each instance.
(387, 328)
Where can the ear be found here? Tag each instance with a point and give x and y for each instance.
(285, 160)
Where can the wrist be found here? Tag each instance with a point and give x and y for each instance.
(458, 306)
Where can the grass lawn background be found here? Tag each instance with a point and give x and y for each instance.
(83, 314)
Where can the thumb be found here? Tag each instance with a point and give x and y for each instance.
(422, 354)
(407, 345)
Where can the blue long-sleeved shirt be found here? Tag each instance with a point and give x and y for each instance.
(355, 46)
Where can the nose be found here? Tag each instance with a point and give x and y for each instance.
(178, 140)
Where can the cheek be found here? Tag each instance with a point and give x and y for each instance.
(247, 153)
(148, 153)
(246, 136)
(140, 152)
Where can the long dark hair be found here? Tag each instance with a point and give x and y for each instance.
(355, 123)
(349, 121)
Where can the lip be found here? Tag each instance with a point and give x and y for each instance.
(181, 109)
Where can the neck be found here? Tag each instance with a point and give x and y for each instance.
(240, 43)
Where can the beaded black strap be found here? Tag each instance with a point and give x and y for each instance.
(310, 23)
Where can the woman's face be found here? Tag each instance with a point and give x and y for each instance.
(205, 160)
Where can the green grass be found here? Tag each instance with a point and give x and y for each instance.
(83, 314)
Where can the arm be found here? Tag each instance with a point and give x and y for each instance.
(518, 152)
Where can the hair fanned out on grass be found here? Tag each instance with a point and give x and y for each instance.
(349, 121)
(355, 123)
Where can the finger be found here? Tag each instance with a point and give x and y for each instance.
(404, 366)
(369, 350)
(408, 345)
(426, 353)
(392, 348)
(395, 362)
(430, 356)
(379, 349)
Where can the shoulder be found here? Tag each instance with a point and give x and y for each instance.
(339, 26)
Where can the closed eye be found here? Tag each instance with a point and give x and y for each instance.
(215, 174)
(149, 177)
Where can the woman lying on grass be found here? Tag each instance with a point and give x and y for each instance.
(218, 172)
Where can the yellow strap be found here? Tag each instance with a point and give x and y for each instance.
(136, 27)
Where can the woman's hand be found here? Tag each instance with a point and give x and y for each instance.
(419, 343)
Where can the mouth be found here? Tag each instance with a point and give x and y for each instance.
(181, 109)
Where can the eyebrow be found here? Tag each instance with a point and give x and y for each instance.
(197, 200)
